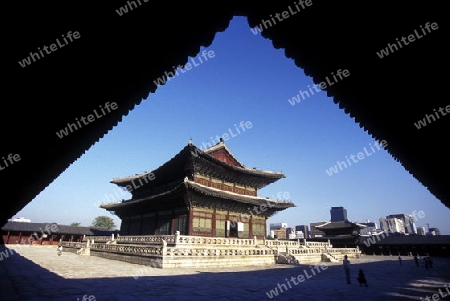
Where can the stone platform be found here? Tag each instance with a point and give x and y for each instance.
(174, 251)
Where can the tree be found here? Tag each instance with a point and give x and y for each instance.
(104, 222)
(75, 224)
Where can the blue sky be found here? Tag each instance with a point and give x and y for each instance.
(246, 80)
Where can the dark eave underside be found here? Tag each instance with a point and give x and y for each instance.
(117, 59)
(192, 160)
(207, 191)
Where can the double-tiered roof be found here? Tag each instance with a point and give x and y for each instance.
(177, 176)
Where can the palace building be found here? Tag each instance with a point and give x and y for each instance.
(200, 193)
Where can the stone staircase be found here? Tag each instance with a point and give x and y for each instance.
(285, 258)
(327, 257)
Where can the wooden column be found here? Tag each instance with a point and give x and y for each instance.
(250, 226)
(213, 223)
(191, 220)
(172, 222)
(265, 227)
(227, 218)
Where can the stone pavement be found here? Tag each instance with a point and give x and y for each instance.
(38, 273)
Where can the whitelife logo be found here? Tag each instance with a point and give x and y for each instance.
(430, 117)
(244, 125)
(10, 160)
(299, 6)
(302, 95)
(168, 75)
(360, 156)
(130, 4)
(295, 280)
(47, 50)
(72, 127)
(411, 38)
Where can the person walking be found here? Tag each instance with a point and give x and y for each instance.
(427, 262)
(346, 264)
(416, 260)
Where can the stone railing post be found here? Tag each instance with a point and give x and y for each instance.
(164, 247)
(177, 237)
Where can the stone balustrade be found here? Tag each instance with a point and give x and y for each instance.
(282, 243)
(200, 240)
(98, 238)
(146, 239)
(184, 240)
(217, 252)
(297, 243)
(352, 252)
(343, 250)
(306, 251)
(75, 245)
(128, 249)
(317, 244)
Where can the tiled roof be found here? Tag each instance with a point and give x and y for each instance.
(47, 227)
(339, 225)
(394, 239)
(190, 185)
(191, 151)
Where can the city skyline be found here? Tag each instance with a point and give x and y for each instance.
(414, 217)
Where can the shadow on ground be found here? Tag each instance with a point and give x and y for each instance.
(23, 279)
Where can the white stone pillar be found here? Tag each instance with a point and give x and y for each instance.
(164, 247)
(177, 237)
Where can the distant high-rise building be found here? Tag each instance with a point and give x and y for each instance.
(279, 233)
(421, 231)
(277, 226)
(392, 225)
(299, 235)
(338, 214)
(434, 231)
(315, 232)
(304, 229)
(408, 222)
(371, 229)
(290, 233)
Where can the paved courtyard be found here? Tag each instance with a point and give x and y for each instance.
(38, 273)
